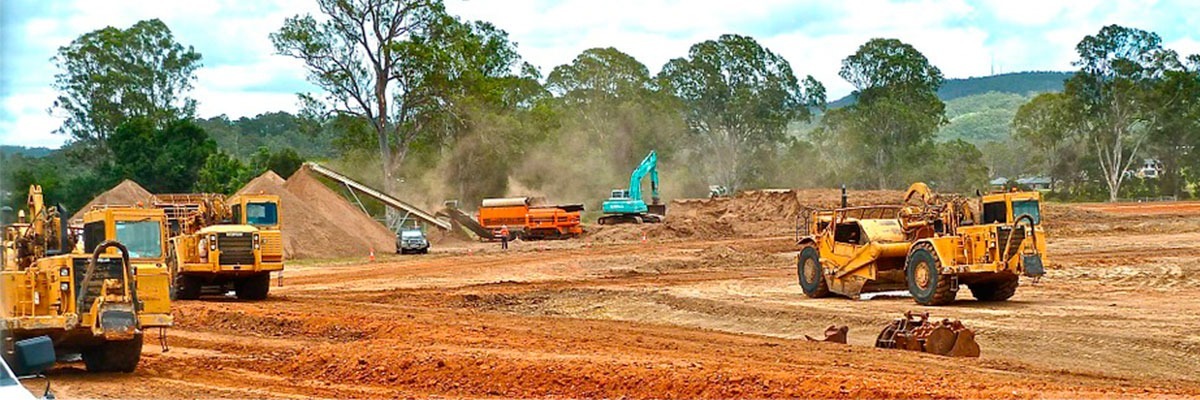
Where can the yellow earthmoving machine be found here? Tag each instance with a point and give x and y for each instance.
(96, 301)
(221, 243)
(930, 245)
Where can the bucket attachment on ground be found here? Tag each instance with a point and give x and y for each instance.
(915, 332)
(833, 334)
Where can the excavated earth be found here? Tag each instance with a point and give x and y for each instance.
(704, 306)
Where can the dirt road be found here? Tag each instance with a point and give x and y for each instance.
(1115, 317)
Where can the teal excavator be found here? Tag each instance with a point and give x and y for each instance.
(626, 206)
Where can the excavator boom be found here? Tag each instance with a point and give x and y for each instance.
(629, 206)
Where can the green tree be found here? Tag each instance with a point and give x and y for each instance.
(414, 73)
(897, 112)
(1050, 122)
(739, 99)
(1118, 66)
(961, 168)
(110, 75)
(370, 59)
(486, 121)
(284, 162)
(608, 113)
(600, 73)
(1174, 106)
(163, 160)
(222, 174)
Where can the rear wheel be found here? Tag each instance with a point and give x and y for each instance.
(186, 287)
(927, 284)
(810, 273)
(114, 355)
(253, 288)
(996, 290)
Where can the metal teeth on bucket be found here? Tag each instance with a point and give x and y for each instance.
(915, 332)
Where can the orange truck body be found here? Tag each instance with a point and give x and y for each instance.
(531, 222)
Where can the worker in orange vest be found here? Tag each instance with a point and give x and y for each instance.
(504, 237)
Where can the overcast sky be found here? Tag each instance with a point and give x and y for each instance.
(241, 75)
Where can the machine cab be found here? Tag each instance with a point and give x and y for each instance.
(142, 231)
(1005, 208)
(619, 194)
(258, 210)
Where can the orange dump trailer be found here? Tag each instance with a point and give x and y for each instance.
(529, 220)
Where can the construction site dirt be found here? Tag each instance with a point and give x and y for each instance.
(705, 305)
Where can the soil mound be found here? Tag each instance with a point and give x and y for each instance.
(768, 212)
(341, 212)
(127, 193)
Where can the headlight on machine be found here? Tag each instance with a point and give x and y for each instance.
(64, 271)
(212, 242)
(256, 241)
(64, 286)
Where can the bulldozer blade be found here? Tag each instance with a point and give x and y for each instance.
(833, 334)
(965, 345)
(940, 341)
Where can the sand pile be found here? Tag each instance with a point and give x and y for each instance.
(312, 230)
(127, 193)
(334, 207)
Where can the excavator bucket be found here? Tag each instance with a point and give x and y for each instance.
(833, 334)
(916, 333)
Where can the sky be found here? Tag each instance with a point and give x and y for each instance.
(242, 76)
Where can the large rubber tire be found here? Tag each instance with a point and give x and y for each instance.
(925, 281)
(997, 290)
(114, 356)
(186, 287)
(810, 273)
(253, 287)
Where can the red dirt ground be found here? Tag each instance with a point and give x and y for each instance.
(708, 317)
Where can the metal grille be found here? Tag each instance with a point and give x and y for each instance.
(272, 247)
(106, 268)
(236, 248)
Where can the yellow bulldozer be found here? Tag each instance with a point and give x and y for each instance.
(930, 245)
(221, 243)
(93, 292)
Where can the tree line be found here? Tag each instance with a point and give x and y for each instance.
(427, 105)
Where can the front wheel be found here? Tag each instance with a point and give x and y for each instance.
(185, 287)
(114, 355)
(253, 288)
(997, 290)
(810, 273)
(925, 280)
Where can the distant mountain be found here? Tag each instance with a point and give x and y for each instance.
(25, 151)
(982, 118)
(1019, 83)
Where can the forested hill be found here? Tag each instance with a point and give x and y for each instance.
(1020, 83)
(25, 151)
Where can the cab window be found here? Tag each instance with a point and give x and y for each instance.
(995, 213)
(142, 238)
(848, 233)
(1027, 207)
(93, 235)
(236, 210)
(262, 214)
